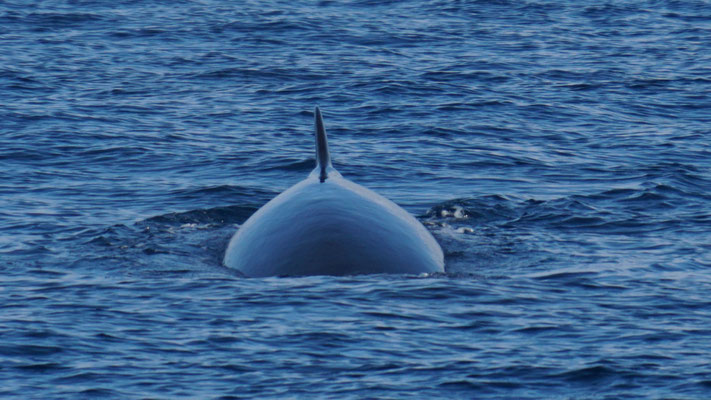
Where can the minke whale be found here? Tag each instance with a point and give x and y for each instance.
(328, 225)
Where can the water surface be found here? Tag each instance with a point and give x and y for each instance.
(557, 150)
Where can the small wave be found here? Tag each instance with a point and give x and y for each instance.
(29, 349)
(229, 193)
(44, 21)
(595, 373)
(566, 275)
(78, 378)
(306, 164)
(216, 215)
(41, 367)
(282, 74)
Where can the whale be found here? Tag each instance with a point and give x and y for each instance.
(328, 225)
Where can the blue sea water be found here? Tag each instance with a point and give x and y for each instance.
(558, 151)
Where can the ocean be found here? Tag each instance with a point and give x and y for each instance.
(558, 151)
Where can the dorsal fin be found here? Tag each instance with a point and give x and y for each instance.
(323, 158)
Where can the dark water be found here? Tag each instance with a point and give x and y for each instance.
(559, 151)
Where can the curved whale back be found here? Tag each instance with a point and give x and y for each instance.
(328, 225)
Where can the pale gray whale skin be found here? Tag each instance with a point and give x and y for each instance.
(328, 225)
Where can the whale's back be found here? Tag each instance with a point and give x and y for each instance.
(334, 227)
(327, 225)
